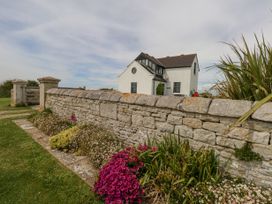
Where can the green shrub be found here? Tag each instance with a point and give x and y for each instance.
(49, 123)
(245, 153)
(97, 143)
(64, 139)
(172, 172)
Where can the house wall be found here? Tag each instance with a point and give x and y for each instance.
(203, 122)
(182, 75)
(142, 77)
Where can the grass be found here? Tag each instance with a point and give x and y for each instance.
(29, 174)
(5, 105)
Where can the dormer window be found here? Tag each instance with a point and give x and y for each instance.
(159, 71)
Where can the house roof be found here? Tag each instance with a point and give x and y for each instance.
(177, 61)
(170, 62)
(151, 58)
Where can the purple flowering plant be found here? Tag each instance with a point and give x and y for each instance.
(118, 181)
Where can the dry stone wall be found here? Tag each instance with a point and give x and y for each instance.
(203, 122)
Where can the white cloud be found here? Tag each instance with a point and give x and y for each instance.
(88, 42)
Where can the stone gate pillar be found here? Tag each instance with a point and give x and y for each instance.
(46, 83)
(19, 92)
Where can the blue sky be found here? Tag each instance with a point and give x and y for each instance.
(89, 42)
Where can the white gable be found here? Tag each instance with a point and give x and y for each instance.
(142, 77)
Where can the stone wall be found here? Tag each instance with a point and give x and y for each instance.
(203, 122)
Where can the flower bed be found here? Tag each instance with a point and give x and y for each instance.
(49, 123)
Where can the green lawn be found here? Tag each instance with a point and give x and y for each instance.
(29, 174)
(5, 105)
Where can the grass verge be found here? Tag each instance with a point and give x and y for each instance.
(29, 174)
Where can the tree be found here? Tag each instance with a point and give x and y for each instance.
(5, 88)
(32, 83)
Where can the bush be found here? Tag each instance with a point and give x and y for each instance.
(64, 140)
(171, 172)
(246, 154)
(97, 143)
(49, 123)
(118, 182)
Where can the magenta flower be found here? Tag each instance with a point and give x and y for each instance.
(118, 182)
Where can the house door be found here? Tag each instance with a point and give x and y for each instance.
(160, 89)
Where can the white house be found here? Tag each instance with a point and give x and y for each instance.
(176, 75)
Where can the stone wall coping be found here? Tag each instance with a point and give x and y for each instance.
(19, 81)
(215, 107)
(48, 79)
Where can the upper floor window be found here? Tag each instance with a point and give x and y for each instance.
(133, 70)
(159, 71)
(153, 66)
(176, 87)
(194, 68)
(133, 87)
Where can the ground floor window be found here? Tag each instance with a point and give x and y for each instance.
(176, 87)
(133, 87)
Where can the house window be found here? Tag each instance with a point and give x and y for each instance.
(194, 68)
(133, 70)
(176, 87)
(146, 62)
(133, 87)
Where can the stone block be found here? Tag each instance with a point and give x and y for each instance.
(174, 120)
(94, 108)
(83, 94)
(115, 97)
(94, 94)
(260, 137)
(195, 104)
(164, 127)
(257, 125)
(149, 122)
(178, 113)
(147, 100)
(108, 110)
(192, 122)
(129, 98)
(124, 118)
(137, 120)
(105, 96)
(215, 127)
(228, 107)
(263, 150)
(264, 113)
(169, 101)
(207, 118)
(229, 142)
(183, 131)
(204, 136)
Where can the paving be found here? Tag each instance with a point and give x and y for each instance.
(80, 165)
